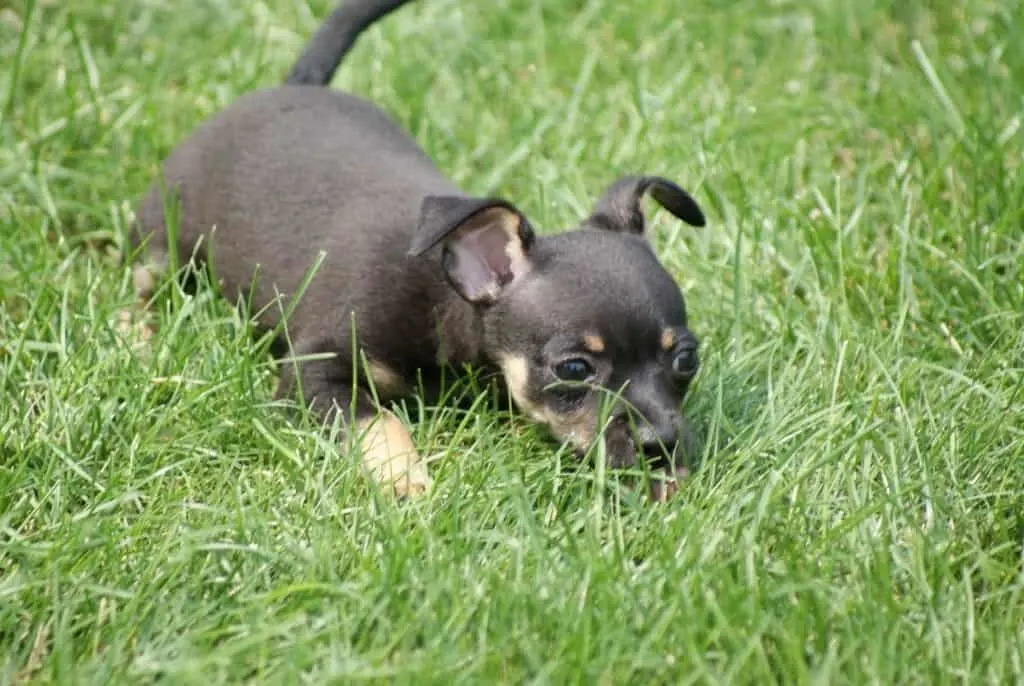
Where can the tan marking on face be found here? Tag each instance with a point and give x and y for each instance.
(390, 455)
(577, 427)
(386, 381)
(594, 343)
(516, 371)
(668, 339)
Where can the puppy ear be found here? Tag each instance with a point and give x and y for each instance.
(486, 243)
(619, 208)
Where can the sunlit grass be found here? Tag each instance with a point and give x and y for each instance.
(858, 292)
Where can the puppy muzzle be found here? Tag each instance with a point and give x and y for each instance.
(660, 447)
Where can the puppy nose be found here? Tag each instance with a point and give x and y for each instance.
(657, 440)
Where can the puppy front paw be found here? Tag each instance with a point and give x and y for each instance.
(391, 457)
(415, 482)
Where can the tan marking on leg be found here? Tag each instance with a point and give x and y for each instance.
(594, 343)
(668, 339)
(144, 281)
(145, 276)
(134, 324)
(132, 327)
(387, 382)
(390, 455)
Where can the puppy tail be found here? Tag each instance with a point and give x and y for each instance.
(335, 37)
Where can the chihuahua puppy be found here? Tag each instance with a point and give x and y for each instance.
(586, 328)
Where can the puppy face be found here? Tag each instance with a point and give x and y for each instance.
(594, 343)
(588, 328)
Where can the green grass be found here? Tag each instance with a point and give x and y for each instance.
(859, 517)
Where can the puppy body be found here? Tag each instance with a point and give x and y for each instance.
(286, 173)
(418, 275)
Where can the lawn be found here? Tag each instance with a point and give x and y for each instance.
(859, 513)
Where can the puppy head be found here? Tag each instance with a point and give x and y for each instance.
(588, 328)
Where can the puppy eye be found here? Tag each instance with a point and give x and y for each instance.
(576, 369)
(686, 361)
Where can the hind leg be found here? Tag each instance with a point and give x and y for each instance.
(145, 275)
(134, 323)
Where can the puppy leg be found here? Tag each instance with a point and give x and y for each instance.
(387, 449)
(134, 323)
(145, 276)
(390, 456)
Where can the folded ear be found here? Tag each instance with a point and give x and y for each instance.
(619, 208)
(485, 243)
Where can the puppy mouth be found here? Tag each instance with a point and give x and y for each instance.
(673, 456)
(623, 452)
(666, 459)
(623, 449)
(668, 469)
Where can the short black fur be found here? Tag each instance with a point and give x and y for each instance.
(422, 274)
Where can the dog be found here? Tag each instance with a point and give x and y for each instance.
(585, 330)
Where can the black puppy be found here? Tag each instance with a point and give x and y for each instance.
(418, 276)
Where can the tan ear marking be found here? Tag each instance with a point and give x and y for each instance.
(594, 343)
(514, 249)
(668, 339)
(390, 455)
